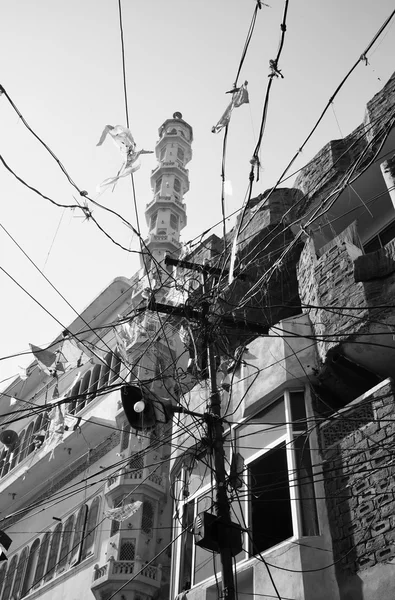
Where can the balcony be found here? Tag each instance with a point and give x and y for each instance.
(36, 472)
(107, 578)
(146, 479)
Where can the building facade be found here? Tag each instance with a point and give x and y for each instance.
(95, 509)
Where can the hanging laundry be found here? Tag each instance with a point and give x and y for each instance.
(123, 512)
(71, 355)
(47, 360)
(239, 97)
(123, 139)
(55, 430)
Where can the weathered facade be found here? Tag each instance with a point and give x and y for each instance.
(307, 405)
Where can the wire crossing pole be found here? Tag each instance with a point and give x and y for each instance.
(217, 433)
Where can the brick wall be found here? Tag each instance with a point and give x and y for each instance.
(359, 479)
(329, 281)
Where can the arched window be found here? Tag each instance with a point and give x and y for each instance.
(158, 185)
(26, 442)
(90, 530)
(125, 436)
(105, 371)
(20, 571)
(65, 546)
(173, 221)
(6, 462)
(3, 570)
(53, 552)
(75, 390)
(180, 154)
(154, 219)
(127, 550)
(31, 567)
(177, 185)
(94, 382)
(2, 461)
(162, 153)
(115, 367)
(85, 382)
(78, 535)
(136, 464)
(147, 519)
(173, 131)
(10, 578)
(42, 559)
(17, 449)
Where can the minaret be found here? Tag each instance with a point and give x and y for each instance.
(166, 214)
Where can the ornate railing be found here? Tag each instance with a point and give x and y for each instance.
(126, 568)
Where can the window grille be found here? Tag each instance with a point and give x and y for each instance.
(90, 530)
(147, 519)
(125, 436)
(65, 547)
(127, 550)
(10, 578)
(19, 573)
(177, 185)
(180, 154)
(31, 567)
(78, 535)
(42, 559)
(3, 570)
(53, 553)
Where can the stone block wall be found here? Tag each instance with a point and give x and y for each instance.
(328, 281)
(359, 478)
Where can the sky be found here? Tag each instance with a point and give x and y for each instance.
(61, 65)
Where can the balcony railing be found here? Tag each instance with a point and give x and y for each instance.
(122, 569)
(142, 477)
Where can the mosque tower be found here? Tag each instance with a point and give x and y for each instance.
(166, 213)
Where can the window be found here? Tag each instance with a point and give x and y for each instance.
(90, 530)
(65, 546)
(162, 153)
(127, 550)
(3, 570)
(115, 367)
(78, 535)
(381, 239)
(53, 553)
(274, 498)
(180, 154)
(42, 559)
(158, 185)
(177, 185)
(173, 221)
(147, 519)
(75, 390)
(94, 381)
(125, 436)
(19, 572)
(31, 568)
(10, 578)
(17, 449)
(154, 219)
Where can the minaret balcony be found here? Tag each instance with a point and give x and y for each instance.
(148, 481)
(114, 573)
(169, 166)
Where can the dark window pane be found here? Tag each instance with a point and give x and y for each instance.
(270, 505)
(298, 410)
(65, 547)
(53, 552)
(387, 234)
(88, 543)
(308, 507)
(372, 246)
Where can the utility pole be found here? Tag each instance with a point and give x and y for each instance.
(224, 524)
